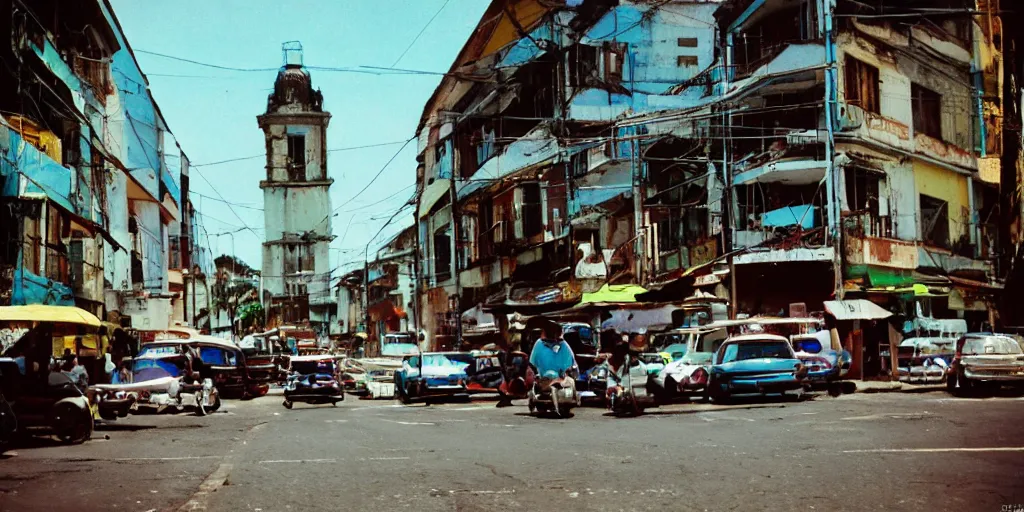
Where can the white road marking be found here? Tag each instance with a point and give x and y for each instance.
(328, 461)
(335, 421)
(165, 459)
(409, 422)
(297, 461)
(888, 416)
(390, 406)
(213, 482)
(939, 450)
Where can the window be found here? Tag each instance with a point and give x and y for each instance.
(935, 220)
(927, 106)
(32, 244)
(443, 159)
(298, 258)
(862, 190)
(614, 60)
(530, 210)
(862, 85)
(582, 65)
(686, 60)
(296, 157)
(442, 254)
(687, 42)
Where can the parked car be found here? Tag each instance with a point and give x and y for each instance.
(485, 373)
(925, 360)
(314, 380)
(688, 375)
(986, 359)
(433, 374)
(223, 362)
(755, 363)
(825, 366)
(158, 379)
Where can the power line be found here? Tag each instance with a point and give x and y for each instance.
(420, 33)
(262, 155)
(378, 202)
(381, 171)
(193, 192)
(227, 203)
(367, 70)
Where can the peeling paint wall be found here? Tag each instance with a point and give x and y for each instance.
(950, 187)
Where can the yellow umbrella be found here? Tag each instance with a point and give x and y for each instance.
(41, 313)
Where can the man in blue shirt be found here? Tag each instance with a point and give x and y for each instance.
(551, 355)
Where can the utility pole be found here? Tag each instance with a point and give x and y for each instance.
(456, 245)
(835, 210)
(727, 196)
(639, 253)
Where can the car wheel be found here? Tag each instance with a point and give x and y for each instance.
(951, 382)
(71, 424)
(287, 404)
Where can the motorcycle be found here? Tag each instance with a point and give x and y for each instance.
(557, 395)
(633, 393)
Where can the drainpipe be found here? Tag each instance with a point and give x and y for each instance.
(831, 180)
(638, 215)
(729, 200)
(979, 88)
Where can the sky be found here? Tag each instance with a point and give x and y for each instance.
(212, 112)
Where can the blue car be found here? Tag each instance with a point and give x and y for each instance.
(432, 375)
(755, 364)
(824, 365)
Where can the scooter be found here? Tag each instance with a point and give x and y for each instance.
(633, 394)
(557, 395)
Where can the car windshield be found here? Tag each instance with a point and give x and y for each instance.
(397, 349)
(741, 351)
(309, 367)
(675, 351)
(158, 349)
(698, 358)
(148, 369)
(995, 345)
(456, 361)
(710, 341)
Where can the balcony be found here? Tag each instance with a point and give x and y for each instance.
(534, 150)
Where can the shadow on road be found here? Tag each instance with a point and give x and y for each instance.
(122, 427)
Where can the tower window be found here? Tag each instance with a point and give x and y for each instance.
(296, 149)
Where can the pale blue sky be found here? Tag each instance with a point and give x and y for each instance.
(213, 112)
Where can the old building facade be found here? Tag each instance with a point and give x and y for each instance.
(94, 184)
(726, 146)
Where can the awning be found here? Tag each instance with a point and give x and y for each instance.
(42, 313)
(856, 309)
(614, 293)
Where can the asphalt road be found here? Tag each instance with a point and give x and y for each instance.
(857, 452)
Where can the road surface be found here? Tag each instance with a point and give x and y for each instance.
(924, 451)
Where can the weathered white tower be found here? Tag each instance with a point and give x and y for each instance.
(297, 207)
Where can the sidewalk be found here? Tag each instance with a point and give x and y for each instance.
(874, 386)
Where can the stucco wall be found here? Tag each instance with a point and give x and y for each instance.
(948, 186)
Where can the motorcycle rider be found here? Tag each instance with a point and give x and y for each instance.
(551, 355)
(617, 362)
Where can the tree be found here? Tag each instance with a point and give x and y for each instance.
(230, 294)
(251, 314)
